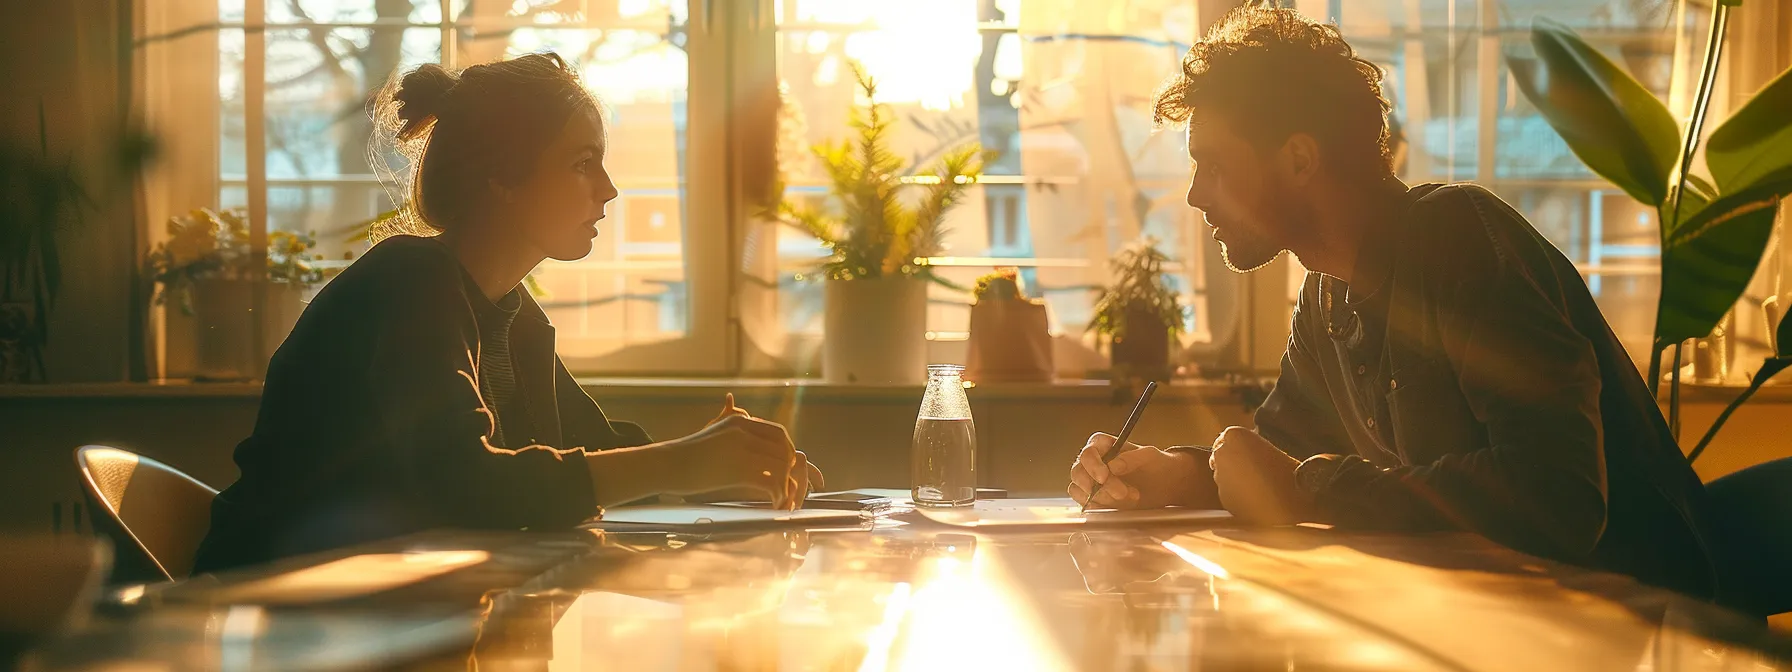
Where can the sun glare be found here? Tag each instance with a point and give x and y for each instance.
(920, 51)
(354, 576)
(1212, 568)
(964, 615)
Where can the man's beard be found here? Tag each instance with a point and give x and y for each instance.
(1251, 247)
(1247, 256)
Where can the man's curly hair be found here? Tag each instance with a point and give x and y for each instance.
(1272, 73)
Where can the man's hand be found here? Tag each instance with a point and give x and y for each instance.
(1256, 479)
(1140, 477)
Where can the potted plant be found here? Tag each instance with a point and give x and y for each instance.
(1139, 313)
(1010, 335)
(1715, 226)
(207, 276)
(875, 315)
(41, 197)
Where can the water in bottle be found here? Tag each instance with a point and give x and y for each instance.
(945, 446)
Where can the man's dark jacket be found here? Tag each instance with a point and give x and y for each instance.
(1471, 383)
(372, 425)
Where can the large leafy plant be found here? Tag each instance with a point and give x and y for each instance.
(876, 234)
(1779, 361)
(39, 197)
(43, 196)
(1714, 230)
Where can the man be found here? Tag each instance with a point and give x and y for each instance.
(1447, 367)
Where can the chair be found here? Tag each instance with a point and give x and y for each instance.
(1751, 510)
(157, 516)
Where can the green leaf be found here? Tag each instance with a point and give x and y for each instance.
(1771, 366)
(1766, 193)
(1619, 129)
(50, 260)
(935, 278)
(1756, 141)
(1703, 275)
(1698, 196)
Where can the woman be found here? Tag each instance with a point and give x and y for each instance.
(421, 390)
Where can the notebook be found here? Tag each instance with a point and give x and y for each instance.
(1063, 511)
(698, 517)
(862, 499)
(844, 500)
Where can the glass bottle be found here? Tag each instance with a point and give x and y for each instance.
(943, 466)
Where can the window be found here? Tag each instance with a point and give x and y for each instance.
(683, 281)
(1462, 118)
(1061, 93)
(304, 166)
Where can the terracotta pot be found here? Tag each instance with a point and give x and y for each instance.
(875, 332)
(1010, 342)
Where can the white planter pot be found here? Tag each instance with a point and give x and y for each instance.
(875, 332)
(215, 342)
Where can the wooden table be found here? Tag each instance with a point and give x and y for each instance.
(914, 595)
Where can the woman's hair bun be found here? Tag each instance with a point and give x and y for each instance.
(420, 96)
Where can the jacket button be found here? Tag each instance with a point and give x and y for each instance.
(1361, 369)
(1371, 423)
(1393, 384)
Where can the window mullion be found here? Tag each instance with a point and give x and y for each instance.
(449, 48)
(753, 82)
(1487, 86)
(707, 196)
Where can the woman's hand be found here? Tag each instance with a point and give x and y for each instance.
(729, 410)
(737, 452)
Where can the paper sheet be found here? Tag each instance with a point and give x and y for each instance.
(863, 493)
(700, 516)
(853, 500)
(1062, 511)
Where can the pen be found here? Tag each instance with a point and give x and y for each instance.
(1125, 431)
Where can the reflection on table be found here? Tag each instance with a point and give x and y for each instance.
(916, 596)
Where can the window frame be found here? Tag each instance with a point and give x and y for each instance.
(731, 102)
(707, 208)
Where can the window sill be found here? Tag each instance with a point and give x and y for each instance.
(1777, 391)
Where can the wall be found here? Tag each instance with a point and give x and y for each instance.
(70, 58)
(1027, 436)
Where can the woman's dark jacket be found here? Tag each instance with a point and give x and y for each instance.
(372, 424)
